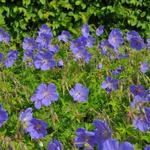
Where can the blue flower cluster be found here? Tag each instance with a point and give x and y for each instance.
(139, 110)
(101, 138)
(12, 54)
(40, 53)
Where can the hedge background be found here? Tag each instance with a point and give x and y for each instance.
(20, 17)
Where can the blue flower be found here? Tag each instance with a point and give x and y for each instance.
(85, 30)
(82, 54)
(144, 67)
(29, 44)
(44, 61)
(100, 30)
(138, 101)
(46, 30)
(3, 115)
(37, 128)
(110, 84)
(112, 144)
(140, 123)
(43, 40)
(53, 48)
(60, 63)
(1, 34)
(90, 41)
(105, 46)
(142, 120)
(28, 57)
(1, 57)
(12, 56)
(25, 117)
(121, 56)
(126, 146)
(79, 92)
(115, 38)
(45, 95)
(84, 138)
(137, 43)
(65, 36)
(55, 145)
(138, 90)
(100, 66)
(4, 36)
(102, 131)
(131, 34)
(148, 44)
(147, 148)
(78, 43)
(118, 70)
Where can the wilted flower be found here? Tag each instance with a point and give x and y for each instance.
(55, 145)
(110, 84)
(25, 117)
(3, 115)
(84, 138)
(37, 128)
(44, 95)
(12, 56)
(115, 38)
(85, 30)
(79, 92)
(100, 30)
(44, 61)
(65, 36)
(144, 67)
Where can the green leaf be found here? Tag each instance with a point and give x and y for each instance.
(26, 2)
(3, 1)
(40, 13)
(43, 1)
(78, 2)
(2, 21)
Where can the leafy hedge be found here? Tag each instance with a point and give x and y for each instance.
(26, 15)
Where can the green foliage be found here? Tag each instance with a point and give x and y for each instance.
(24, 16)
(63, 117)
